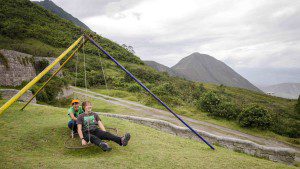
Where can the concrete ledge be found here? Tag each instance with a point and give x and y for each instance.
(9, 93)
(284, 155)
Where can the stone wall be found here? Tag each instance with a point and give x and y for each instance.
(16, 67)
(284, 155)
(9, 93)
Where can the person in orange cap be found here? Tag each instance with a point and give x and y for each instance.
(73, 113)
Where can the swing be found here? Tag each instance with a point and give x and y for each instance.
(59, 58)
(74, 142)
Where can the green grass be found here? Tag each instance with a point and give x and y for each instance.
(117, 93)
(35, 138)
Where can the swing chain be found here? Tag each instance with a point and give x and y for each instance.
(84, 65)
(103, 71)
(76, 72)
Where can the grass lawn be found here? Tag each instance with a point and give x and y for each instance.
(34, 138)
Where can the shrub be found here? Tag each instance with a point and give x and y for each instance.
(4, 61)
(255, 116)
(208, 101)
(221, 89)
(62, 102)
(165, 89)
(41, 65)
(23, 84)
(95, 78)
(15, 28)
(216, 106)
(198, 91)
(80, 81)
(127, 78)
(51, 90)
(171, 101)
(226, 110)
(287, 127)
(134, 87)
(42, 96)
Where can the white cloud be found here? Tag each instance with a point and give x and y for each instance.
(243, 33)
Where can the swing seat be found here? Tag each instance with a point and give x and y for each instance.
(74, 142)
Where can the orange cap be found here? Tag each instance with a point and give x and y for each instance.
(74, 101)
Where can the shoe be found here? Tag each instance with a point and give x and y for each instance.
(125, 139)
(104, 146)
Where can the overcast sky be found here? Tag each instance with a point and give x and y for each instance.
(258, 39)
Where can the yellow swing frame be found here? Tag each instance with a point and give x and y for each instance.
(43, 73)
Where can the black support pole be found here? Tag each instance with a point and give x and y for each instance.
(153, 95)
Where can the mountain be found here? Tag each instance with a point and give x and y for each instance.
(162, 68)
(49, 5)
(285, 90)
(205, 68)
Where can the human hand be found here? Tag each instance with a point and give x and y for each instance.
(83, 142)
